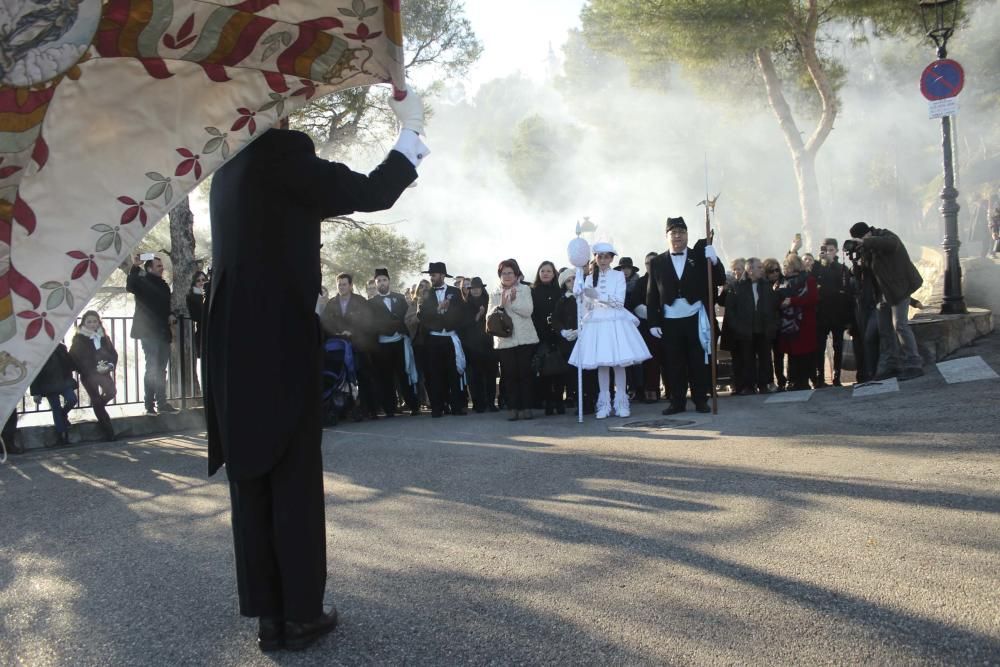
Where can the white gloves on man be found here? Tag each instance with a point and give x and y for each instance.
(569, 334)
(710, 254)
(656, 332)
(409, 111)
(641, 312)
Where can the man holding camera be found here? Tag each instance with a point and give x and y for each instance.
(834, 313)
(897, 278)
(151, 325)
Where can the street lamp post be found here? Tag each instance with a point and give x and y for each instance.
(939, 18)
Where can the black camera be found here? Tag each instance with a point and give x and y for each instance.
(852, 246)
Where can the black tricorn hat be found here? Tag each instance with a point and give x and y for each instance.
(381, 272)
(438, 267)
(477, 282)
(625, 263)
(676, 223)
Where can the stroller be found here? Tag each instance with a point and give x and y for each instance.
(340, 380)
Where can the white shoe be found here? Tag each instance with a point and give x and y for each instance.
(603, 408)
(622, 408)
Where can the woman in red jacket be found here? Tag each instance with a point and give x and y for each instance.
(797, 335)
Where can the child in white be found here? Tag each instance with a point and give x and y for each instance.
(609, 337)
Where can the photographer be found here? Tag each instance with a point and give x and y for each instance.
(865, 333)
(897, 279)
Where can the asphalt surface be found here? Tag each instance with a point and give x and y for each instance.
(837, 531)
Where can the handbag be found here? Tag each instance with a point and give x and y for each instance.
(549, 361)
(499, 324)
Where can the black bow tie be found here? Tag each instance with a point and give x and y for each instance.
(677, 254)
(439, 289)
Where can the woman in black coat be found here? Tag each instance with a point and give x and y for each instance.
(95, 358)
(545, 293)
(564, 327)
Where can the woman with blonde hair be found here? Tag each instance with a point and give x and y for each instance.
(95, 358)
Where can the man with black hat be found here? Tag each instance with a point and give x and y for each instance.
(677, 308)
(835, 311)
(897, 279)
(440, 316)
(394, 347)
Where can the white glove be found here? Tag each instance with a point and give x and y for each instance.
(710, 254)
(591, 293)
(656, 332)
(409, 111)
(568, 334)
(578, 287)
(641, 312)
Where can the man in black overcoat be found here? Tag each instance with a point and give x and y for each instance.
(835, 311)
(151, 326)
(440, 316)
(388, 310)
(677, 308)
(262, 357)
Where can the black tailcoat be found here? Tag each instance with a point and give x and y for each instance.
(664, 287)
(262, 336)
(388, 322)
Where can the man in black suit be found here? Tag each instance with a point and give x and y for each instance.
(677, 308)
(440, 316)
(349, 316)
(262, 359)
(388, 310)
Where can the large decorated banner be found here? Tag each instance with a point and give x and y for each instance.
(111, 112)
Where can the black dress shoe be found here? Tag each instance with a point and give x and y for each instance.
(270, 634)
(673, 409)
(436, 415)
(702, 408)
(414, 412)
(459, 413)
(301, 635)
(166, 407)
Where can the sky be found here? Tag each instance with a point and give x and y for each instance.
(516, 35)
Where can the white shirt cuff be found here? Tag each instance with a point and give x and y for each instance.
(410, 145)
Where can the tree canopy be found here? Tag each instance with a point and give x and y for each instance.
(360, 250)
(787, 50)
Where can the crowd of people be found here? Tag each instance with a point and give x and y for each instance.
(450, 342)
(441, 346)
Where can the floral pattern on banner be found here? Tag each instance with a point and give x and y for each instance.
(190, 83)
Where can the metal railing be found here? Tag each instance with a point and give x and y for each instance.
(183, 371)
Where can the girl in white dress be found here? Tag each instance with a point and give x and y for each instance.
(609, 338)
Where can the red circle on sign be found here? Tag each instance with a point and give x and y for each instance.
(942, 79)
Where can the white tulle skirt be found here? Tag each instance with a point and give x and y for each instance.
(609, 337)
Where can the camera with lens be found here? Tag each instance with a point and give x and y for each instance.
(852, 248)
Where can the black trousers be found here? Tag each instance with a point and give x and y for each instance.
(390, 369)
(824, 329)
(756, 355)
(441, 375)
(279, 530)
(800, 370)
(684, 361)
(482, 373)
(518, 379)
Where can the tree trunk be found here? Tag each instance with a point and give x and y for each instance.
(809, 202)
(183, 267)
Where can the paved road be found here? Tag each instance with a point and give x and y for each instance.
(842, 530)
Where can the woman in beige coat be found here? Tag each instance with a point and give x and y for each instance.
(516, 350)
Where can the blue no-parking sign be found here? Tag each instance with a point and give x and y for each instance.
(942, 79)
